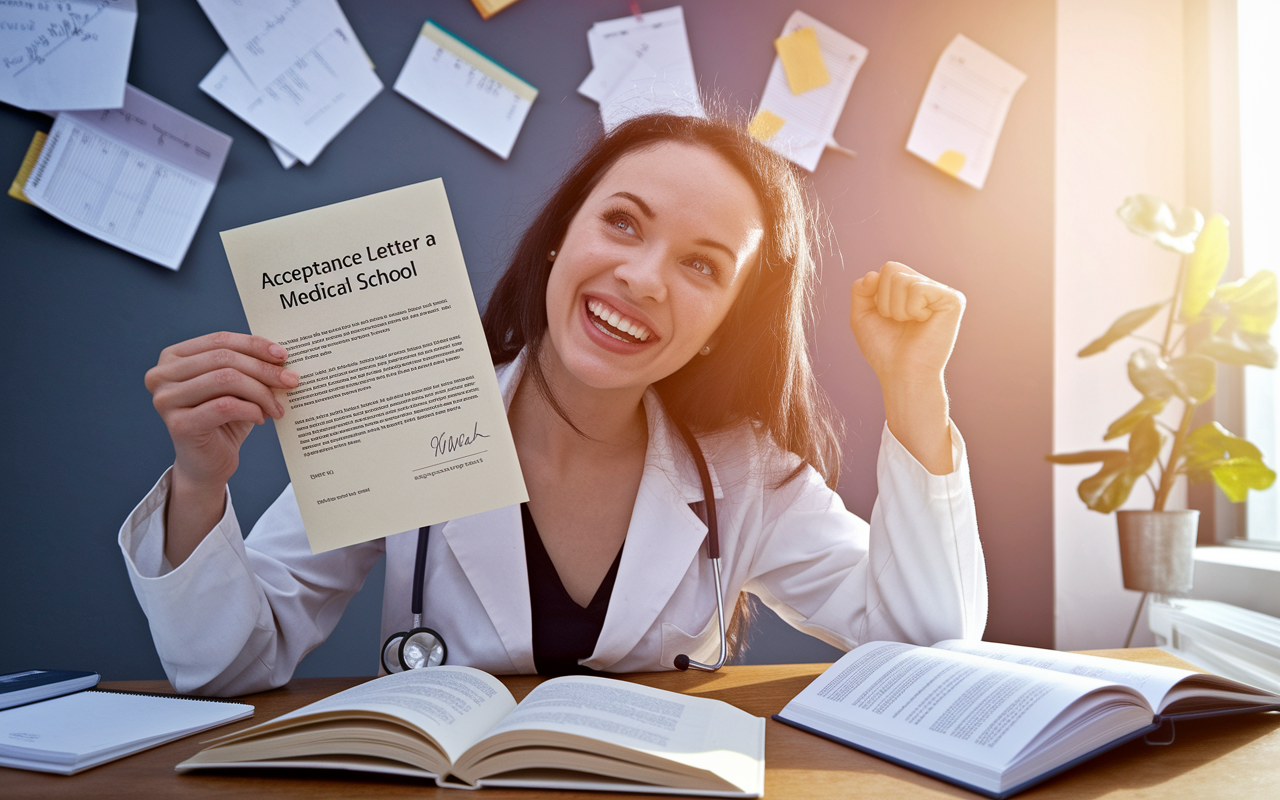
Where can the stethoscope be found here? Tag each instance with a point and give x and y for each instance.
(421, 647)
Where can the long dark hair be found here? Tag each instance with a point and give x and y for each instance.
(760, 370)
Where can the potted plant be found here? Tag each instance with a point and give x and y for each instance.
(1206, 323)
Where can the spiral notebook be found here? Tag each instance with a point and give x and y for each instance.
(74, 732)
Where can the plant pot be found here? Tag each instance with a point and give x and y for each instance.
(1157, 550)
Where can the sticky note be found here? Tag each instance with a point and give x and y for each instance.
(802, 60)
(28, 161)
(950, 162)
(765, 125)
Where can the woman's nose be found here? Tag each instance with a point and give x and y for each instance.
(645, 275)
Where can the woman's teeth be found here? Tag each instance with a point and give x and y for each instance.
(618, 322)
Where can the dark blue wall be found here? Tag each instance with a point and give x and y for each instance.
(86, 320)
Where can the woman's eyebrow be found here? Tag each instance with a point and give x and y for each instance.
(718, 246)
(644, 207)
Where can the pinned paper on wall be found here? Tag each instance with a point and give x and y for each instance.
(466, 89)
(67, 55)
(641, 65)
(139, 177)
(807, 88)
(963, 111)
(304, 108)
(294, 71)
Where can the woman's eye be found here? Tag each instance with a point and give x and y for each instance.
(623, 224)
(703, 266)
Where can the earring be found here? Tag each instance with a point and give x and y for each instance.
(551, 256)
(705, 351)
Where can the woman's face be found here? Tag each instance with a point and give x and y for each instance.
(650, 266)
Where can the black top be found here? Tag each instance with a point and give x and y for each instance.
(563, 631)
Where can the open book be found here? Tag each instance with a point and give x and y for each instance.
(463, 728)
(999, 718)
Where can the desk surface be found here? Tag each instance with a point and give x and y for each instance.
(1233, 757)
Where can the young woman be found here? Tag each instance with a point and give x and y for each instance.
(665, 282)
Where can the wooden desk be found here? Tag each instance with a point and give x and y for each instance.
(1233, 757)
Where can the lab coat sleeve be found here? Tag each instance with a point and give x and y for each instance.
(239, 614)
(914, 574)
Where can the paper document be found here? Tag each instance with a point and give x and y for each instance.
(305, 107)
(465, 89)
(641, 66)
(72, 54)
(266, 37)
(397, 421)
(801, 125)
(963, 111)
(139, 177)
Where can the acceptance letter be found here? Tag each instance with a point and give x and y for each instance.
(397, 421)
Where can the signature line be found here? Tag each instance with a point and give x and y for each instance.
(459, 458)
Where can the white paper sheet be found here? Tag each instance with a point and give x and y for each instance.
(642, 66)
(306, 106)
(397, 421)
(267, 36)
(72, 54)
(465, 89)
(963, 110)
(139, 177)
(810, 118)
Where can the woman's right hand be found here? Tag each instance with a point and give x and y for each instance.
(210, 391)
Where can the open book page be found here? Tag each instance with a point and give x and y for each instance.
(1163, 687)
(953, 713)
(454, 706)
(626, 721)
(1152, 680)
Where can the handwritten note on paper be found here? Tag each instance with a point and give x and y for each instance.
(963, 111)
(307, 106)
(641, 66)
(397, 421)
(808, 119)
(465, 89)
(267, 36)
(71, 54)
(139, 177)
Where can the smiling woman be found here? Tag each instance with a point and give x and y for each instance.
(665, 285)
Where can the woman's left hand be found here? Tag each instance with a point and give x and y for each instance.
(906, 326)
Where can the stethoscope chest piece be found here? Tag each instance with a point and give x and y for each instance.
(417, 647)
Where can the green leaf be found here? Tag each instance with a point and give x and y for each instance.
(1086, 456)
(1236, 476)
(1144, 445)
(1146, 407)
(1250, 303)
(1121, 328)
(1149, 374)
(1107, 490)
(1149, 216)
(1241, 349)
(1211, 443)
(1195, 377)
(1205, 266)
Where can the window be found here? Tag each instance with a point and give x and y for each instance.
(1258, 22)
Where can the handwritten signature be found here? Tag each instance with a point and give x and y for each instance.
(443, 443)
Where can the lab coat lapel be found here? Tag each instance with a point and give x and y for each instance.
(663, 539)
(490, 549)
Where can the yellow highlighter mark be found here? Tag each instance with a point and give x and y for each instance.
(802, 60)
(28, 162)
(765, 125)
(950, 162)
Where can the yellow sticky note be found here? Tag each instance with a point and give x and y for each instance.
(802, 60)
(765, 125)
(950, 162)
(28, 162)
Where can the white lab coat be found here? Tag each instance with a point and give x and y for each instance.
(239, 614)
